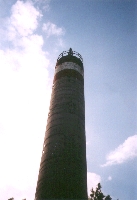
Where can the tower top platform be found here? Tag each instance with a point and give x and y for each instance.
(70, 56)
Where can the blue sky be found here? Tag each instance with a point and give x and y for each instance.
(32, 35)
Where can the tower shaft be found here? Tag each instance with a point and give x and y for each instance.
(63, 173)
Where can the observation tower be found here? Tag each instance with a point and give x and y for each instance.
(63, 170)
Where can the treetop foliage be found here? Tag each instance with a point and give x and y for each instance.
(98, 194)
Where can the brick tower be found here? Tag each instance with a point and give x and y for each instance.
(63, 172)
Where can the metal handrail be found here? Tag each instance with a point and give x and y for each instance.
(70, 52)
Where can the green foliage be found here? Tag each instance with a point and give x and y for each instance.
(108, 197)
(98, 194)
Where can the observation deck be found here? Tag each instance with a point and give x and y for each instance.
(70, 56)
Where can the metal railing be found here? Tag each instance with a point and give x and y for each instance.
(72, 53)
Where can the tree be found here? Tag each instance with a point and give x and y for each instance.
(108, 197)
(98, 195)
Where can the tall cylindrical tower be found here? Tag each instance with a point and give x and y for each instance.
(63, 172)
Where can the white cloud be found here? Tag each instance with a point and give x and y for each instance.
(24, 102)
(23, 20)
(52, 29)
(60, 42)
(92, 181)
(44, 4)
(109, 178)
(88, 143)
(125, 151)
